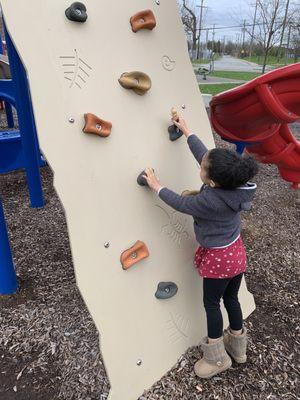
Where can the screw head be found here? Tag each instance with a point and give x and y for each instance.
(139, 362)
(106, 245)
(134, 254)
(71, 120)
(157, 2)
(183, 106)
(167, 290)
(78, 12)
(99, 127)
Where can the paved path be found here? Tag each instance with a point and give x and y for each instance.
(228, 63)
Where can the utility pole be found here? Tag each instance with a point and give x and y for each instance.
(253, 28)
(213, 36)
(288, 44)
(200, 28)
(244, 31)
(207, 33)
(212, 67)
(283, 29)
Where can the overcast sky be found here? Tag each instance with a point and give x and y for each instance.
(224, 13)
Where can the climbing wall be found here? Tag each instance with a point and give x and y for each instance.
(108, 76)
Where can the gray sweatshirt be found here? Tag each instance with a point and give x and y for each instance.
(216, 211)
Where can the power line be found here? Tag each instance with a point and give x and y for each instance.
(230, 27)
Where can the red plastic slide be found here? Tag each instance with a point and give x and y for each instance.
(258, 113)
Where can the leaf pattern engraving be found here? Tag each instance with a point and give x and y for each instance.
(76, 70)
(176, 226)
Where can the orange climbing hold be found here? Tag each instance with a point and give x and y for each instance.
(143, 20)
(134, 255)
(96, 125)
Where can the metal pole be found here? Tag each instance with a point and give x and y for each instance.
(207, 33)
(200, 27)
(253, 29)
(213, 45)
(283, 29)
(288, 44)
(8, 278)
(27, 125)
(244, 31)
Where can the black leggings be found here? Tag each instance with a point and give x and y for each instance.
(213, 291)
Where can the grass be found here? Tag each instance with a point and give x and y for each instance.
(243, 76)
(271, 60)
(215, 89)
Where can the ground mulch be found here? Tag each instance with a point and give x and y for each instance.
(49, 345)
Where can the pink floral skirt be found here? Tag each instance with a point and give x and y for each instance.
(221, 263)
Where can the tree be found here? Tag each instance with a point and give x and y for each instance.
(270, 21)
(189, 21)
(293, 39)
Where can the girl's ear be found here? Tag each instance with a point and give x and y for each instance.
(212, 184)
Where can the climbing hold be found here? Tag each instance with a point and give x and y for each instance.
(174, 132)
(166, 290)
(96, 125)
(141, 179)
(76, 12)
(135, 254)
(143, 20)
(190, 192)
(137, 81)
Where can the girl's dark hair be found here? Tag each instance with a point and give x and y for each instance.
(229, 169)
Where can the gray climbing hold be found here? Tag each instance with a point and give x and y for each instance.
(141, 179)
(166, 290)
(76, 12)
(174, 133)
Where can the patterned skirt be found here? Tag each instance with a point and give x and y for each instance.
(221, 263)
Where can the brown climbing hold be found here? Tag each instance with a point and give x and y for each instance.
(96, 125)
(137, 81)
(174, 114)
(143, 20)
(134, 255)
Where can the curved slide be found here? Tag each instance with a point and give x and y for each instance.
(258, 113)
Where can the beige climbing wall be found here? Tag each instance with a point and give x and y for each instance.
(74, 69)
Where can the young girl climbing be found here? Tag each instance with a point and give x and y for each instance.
(220, 257)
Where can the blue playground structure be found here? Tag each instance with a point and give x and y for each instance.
(18, 149)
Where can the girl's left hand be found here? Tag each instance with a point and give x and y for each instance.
(152, 180)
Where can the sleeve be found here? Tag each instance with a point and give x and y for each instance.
(197, 147)
(197, 205)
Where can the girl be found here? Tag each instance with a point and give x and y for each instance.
(220, 258)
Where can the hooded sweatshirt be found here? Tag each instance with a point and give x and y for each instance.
(216, 211)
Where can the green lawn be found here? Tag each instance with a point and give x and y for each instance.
(243, 76)
(215, 89)
(271, 60)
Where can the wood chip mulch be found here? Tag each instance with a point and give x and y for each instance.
(49, 345)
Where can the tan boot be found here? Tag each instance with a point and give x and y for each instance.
(236, 345)
(215, 359)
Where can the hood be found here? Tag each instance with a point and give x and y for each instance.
(238, 199)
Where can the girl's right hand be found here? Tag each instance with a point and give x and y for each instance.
(182, 125)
